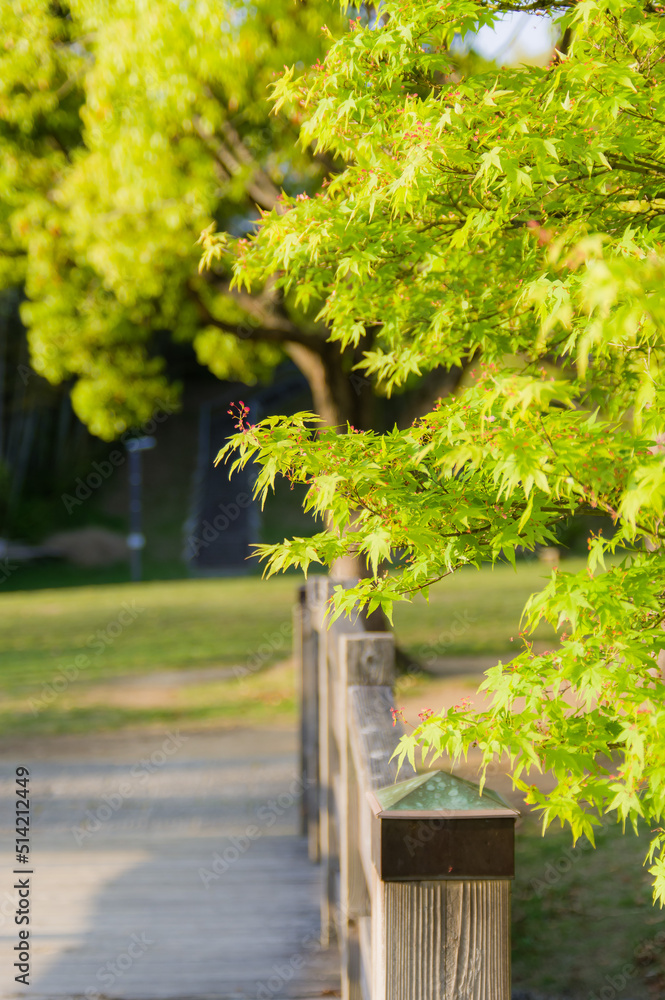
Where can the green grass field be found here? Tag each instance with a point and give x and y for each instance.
(91, 636)
(66, 652)
(183, 624)
(172, 625)
(474, 611)
(582, 915)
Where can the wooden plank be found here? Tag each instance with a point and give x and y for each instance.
(355, 896)
(365, 821)
(331, 754)
(306, 653)
(357, 899)
(432, 937)
(317, 597)
(441, 940)
(338, 631)
(338, 799)
(364, 658)
(436, 939)
(365, 942)
(338, 714)
(370, 659)
(373, 738)
(298, 615)
(327, 833)
(372, 741)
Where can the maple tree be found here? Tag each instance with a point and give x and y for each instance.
(507, 221)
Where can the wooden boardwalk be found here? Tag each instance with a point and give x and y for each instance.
(165, 869)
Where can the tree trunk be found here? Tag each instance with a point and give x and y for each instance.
(340, 397)
(344, 398)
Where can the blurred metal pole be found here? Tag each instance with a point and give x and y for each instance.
(136, 538)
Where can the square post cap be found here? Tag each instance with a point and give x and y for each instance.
(439, 826)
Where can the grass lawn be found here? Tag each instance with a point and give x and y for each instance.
(265, 698)
(581, 916)
(474, 611)
(75, 640)
(183, 624)
(172, 625)
(70, 656)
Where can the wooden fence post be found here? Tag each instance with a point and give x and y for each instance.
(438, 859)
(416, 867)
(320, 590)
(365, 659)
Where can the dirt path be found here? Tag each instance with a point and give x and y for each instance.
(166, 865)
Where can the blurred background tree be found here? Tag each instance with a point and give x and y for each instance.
(125, 130)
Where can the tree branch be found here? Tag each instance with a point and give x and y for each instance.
(259, 186)
(262, 324)
(437, 383)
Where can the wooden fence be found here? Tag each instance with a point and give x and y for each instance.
(416, 867)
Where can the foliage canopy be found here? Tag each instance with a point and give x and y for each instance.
(508, 220)
(125, 129)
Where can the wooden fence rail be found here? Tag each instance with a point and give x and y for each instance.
(416, 867)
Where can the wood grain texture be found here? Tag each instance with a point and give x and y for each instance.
(365, 941)
(354, 901)
(306, 653)
(400, 940)
(321, 589)
(369, 658)
(373, 738)
(318, 591)
(443, 940)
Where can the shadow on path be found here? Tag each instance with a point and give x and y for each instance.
(166, 866)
